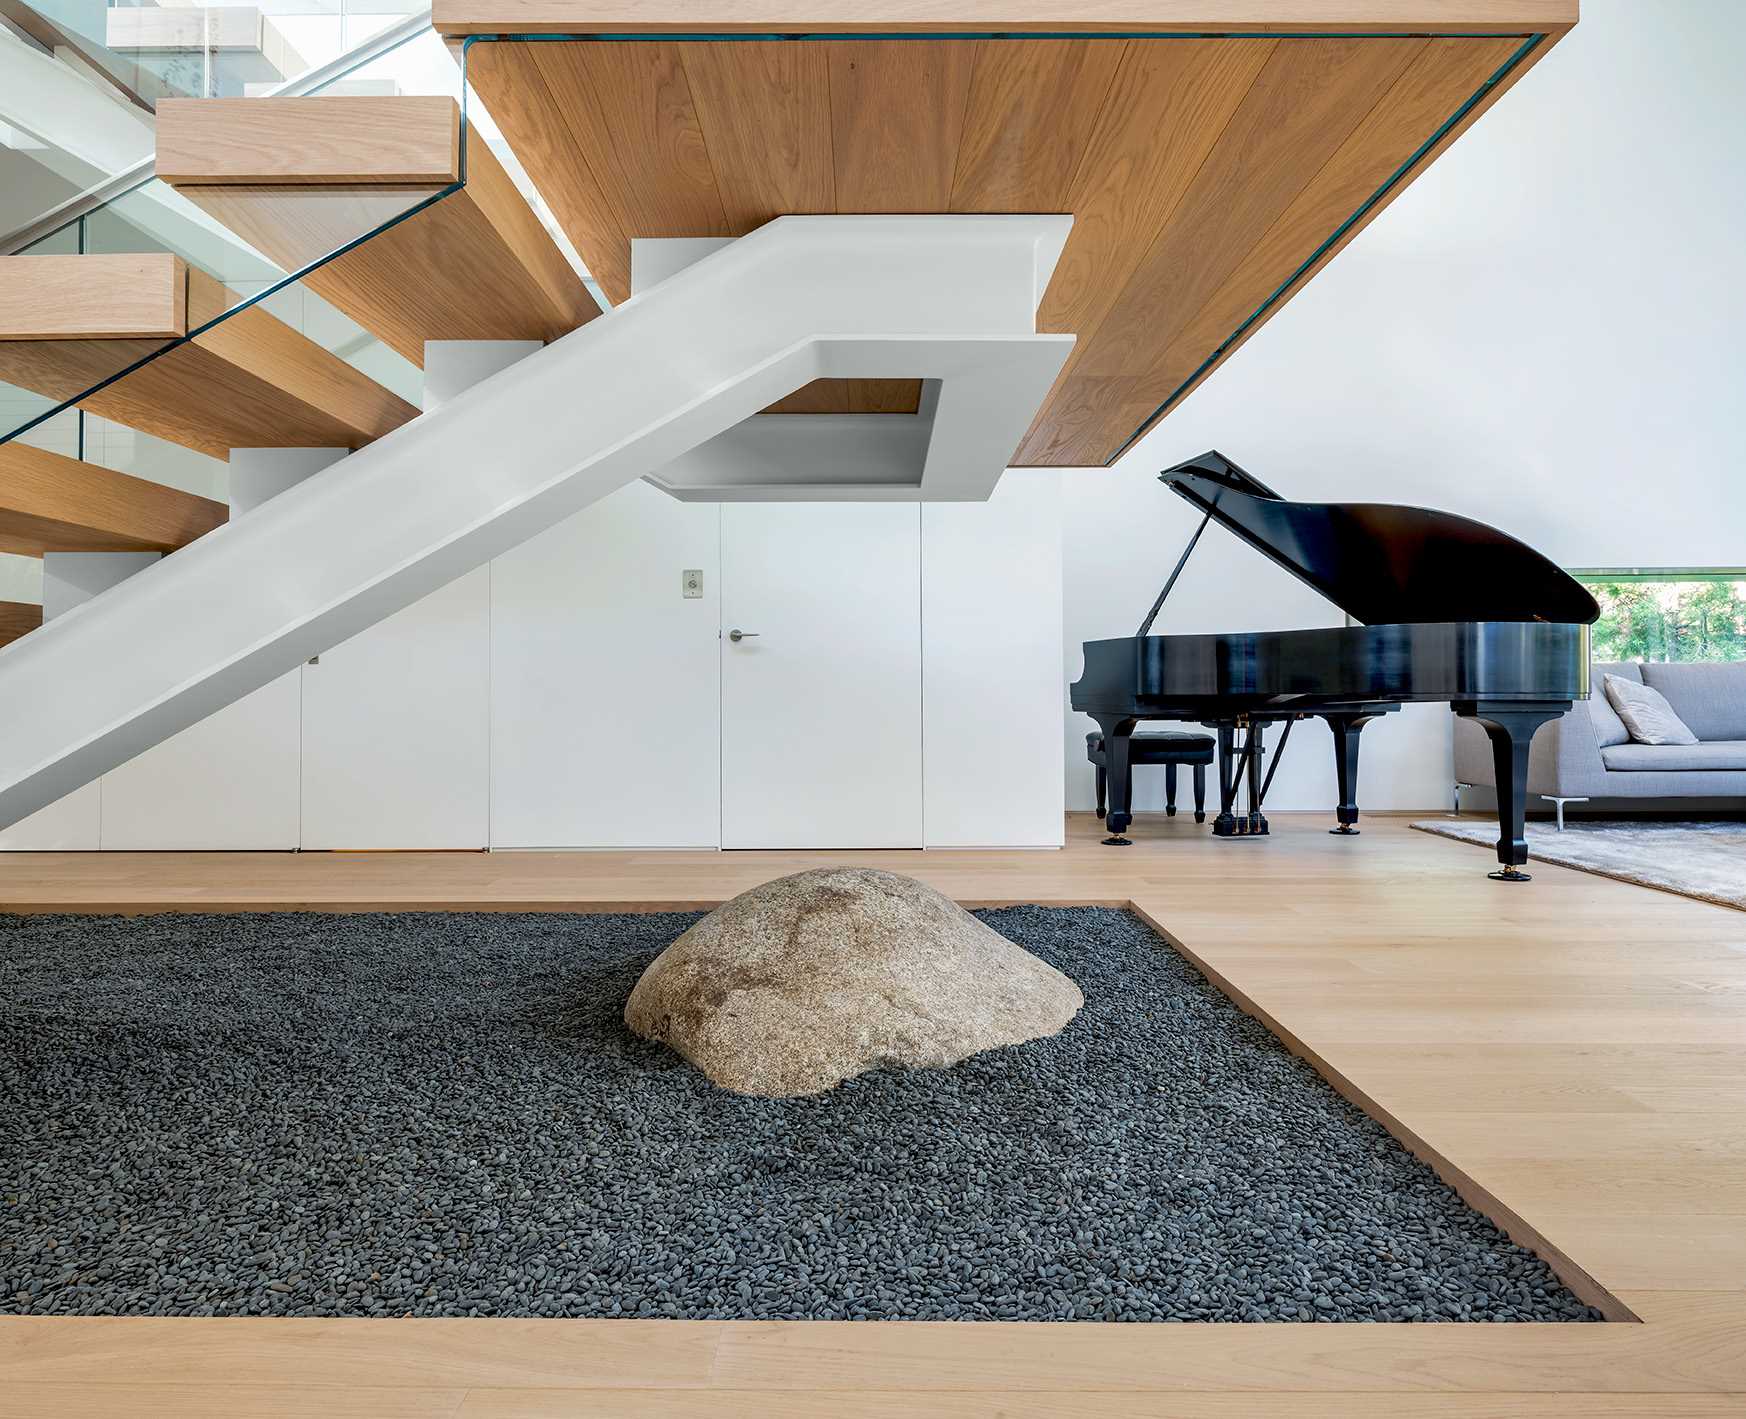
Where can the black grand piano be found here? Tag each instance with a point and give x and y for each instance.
(1448, 610)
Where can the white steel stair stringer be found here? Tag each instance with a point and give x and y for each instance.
(623, 396)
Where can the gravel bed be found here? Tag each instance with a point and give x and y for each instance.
(371, 1115)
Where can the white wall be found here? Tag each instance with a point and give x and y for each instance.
(1543, 332)
(991, 622)
(569, 695)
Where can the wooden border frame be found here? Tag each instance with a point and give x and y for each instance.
(702, 17)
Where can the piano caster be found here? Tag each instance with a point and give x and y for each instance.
(1509, 874)
(1345, 830)
(1118, 842)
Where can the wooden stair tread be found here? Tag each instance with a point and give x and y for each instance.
(18, 618)
(51, 503)
(250, 382)
(299, 178)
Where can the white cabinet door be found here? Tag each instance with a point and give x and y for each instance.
(229, 782)
(991, 670)
(821, 701)
(396, 728)
(606, 679)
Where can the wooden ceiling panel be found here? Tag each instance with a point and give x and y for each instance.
(535, 125)
(897, 113)
(1208, 174)
(1389, 135)
(1167, 107)
(852, 396)
(1305, 102)
(1083, 413)
(767, 111)
(788, 17)
(1031, 113)
(630, 112)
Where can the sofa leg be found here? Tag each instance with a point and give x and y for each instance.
(1558, 806)
(1458, 787)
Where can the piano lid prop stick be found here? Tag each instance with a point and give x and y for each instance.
(1181, 562)
(1273, 768)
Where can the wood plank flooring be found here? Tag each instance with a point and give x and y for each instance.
(1571, 1054)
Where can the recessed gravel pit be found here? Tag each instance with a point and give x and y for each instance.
(444, 1114)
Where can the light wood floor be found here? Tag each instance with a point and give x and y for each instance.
(1571, 1053)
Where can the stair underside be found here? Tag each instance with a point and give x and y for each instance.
(1209, 177)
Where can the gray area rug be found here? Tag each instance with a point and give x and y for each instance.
(369, 1115)
(1695, 859)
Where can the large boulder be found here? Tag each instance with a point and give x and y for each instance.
(809, 980)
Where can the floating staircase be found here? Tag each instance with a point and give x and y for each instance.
(845, 292)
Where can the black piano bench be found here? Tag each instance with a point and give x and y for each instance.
(1168, 748)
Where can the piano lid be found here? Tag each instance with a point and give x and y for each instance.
(1384, 563)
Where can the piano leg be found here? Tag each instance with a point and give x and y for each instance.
(1118, 778)
(1511, 727)
(1257, 748)
(1225, 825)
(1346, 728)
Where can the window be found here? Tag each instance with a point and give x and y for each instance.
(1688, 613)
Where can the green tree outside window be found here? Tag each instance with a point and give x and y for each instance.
(1686, 617)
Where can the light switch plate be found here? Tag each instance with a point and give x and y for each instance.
(691, 583)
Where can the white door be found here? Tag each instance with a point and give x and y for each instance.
(821, 696)
(396, 728)
(606, 678)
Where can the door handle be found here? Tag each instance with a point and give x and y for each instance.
(742, 635)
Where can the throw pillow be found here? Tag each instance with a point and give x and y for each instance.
(1646, 713)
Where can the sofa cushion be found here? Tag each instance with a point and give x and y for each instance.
(1608, 727)
(1676, 758)
(1646, 713)
(1710, 698)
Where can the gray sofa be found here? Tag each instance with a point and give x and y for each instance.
(1588, 755)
